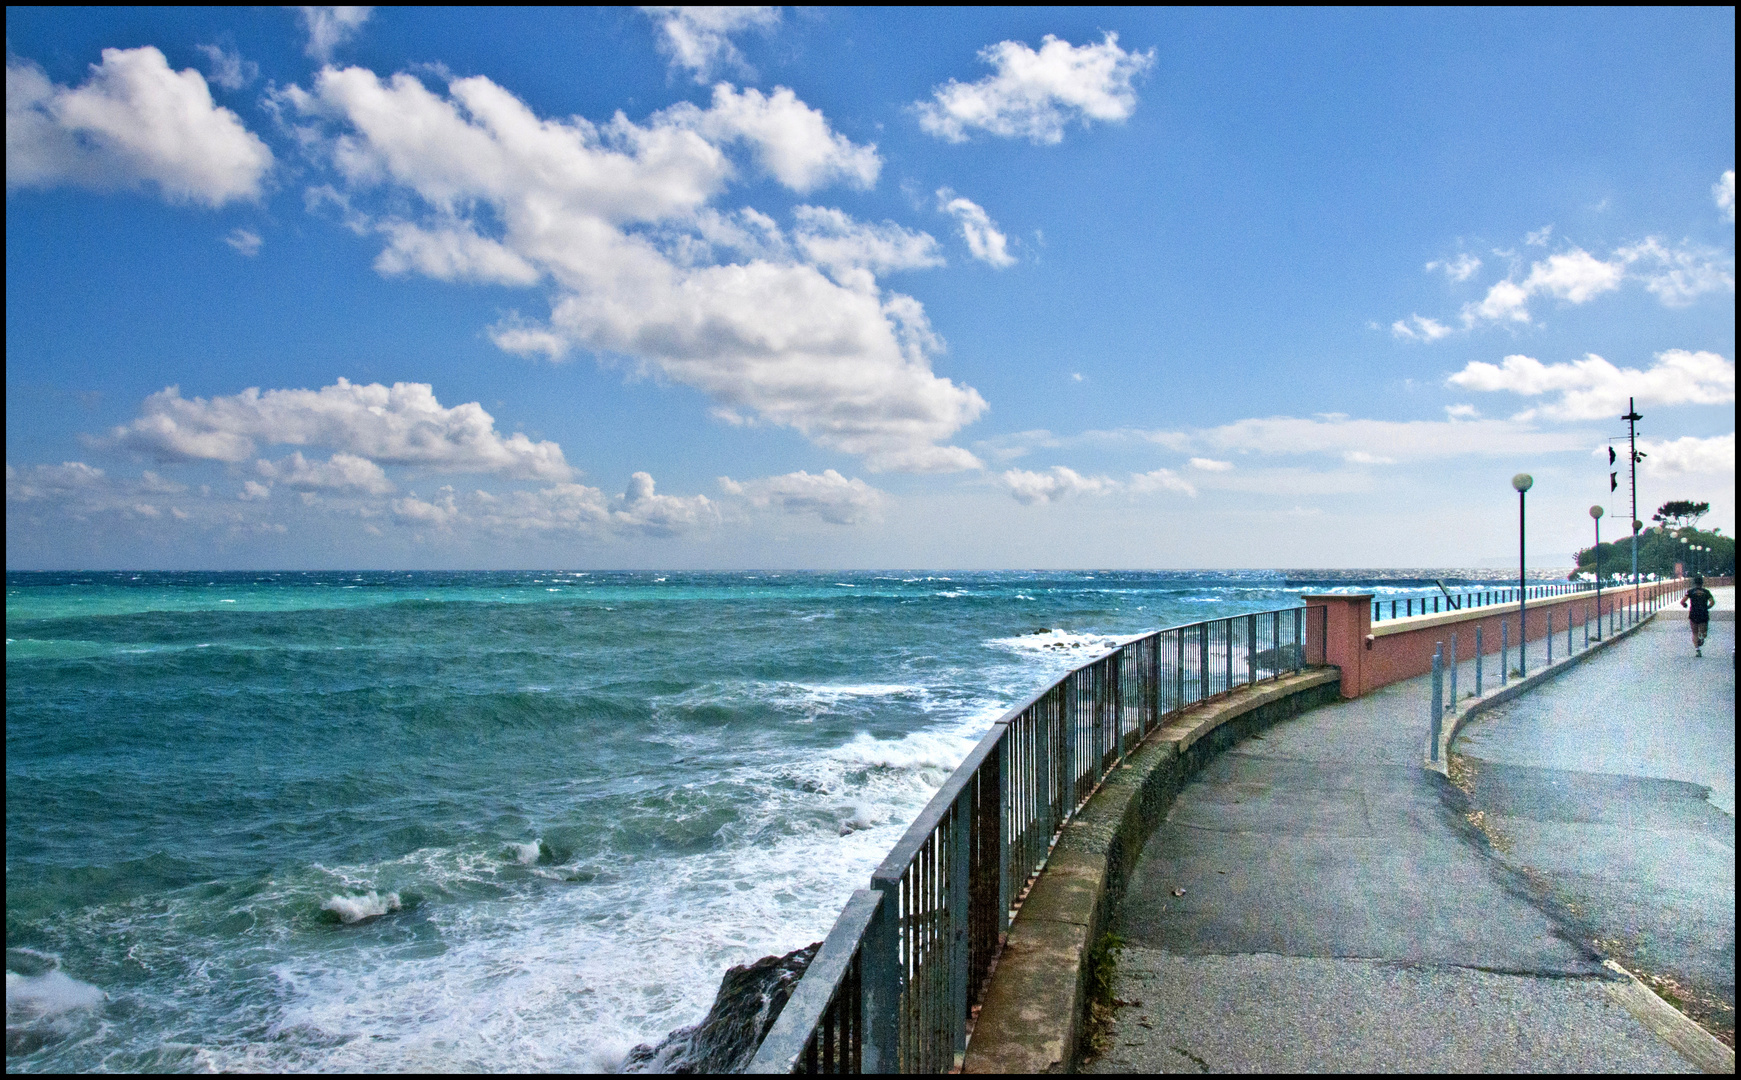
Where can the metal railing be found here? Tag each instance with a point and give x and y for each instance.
(1463, 598)
(1625, 607)
(895, 983)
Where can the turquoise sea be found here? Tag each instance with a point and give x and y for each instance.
(493, 821)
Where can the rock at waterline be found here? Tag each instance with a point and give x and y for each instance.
(726, 1040)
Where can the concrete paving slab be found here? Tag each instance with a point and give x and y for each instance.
(1267, 1013)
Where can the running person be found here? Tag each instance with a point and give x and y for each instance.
(1699, 599)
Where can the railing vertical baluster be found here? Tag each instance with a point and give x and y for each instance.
(1203, 661)
(880, 971)
(1227, 632)
(958, 903)
(1250, 649)
(1179, 670)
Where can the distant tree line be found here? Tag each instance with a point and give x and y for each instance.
(1660, 547)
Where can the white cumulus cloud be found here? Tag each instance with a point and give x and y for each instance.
(984, 240)
(1690, 454)
(1723, 191)
(832, 240)
(1418, 328)
(1036, 94)
(330, 27)
(229, 70)
(1593, 388)
(829, 495)
(341, 472)
(1462, 268)
(1674, 275)
(1058, 482)
(791, 142)
(1678, 276)
(133, 123)
(402, 424)
(1161, 480)
(245, 241)
(699, 38)
(1211, 465)
(577, 508)
(616, 218)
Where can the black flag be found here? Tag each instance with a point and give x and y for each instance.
(1610, 455)
(1613, 481)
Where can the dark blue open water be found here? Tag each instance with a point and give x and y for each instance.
(450, 821)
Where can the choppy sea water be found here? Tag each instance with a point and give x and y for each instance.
(492, 821)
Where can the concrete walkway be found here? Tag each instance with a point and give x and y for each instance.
(1613, 787)
(1316, 901)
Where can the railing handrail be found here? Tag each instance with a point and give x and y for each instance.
(813, 1003)
(945, 797)
(1537, 590)
(790, 1033)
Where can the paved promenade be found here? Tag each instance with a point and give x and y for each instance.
(1614, 786)
(1317, 901)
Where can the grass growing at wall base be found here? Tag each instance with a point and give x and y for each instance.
(1102, 968)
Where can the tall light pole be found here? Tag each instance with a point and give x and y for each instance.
(1521, 482)
(1596, 517)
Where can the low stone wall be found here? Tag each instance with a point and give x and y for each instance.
(1371, 655)
(1033, 1009)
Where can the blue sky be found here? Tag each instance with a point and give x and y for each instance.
(847, 288)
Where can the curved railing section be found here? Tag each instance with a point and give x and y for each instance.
(1459, 597)
(895, 983)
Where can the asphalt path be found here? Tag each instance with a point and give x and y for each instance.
(1612, 788)
(1317, 901)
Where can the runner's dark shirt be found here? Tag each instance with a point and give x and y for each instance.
(1701, 600)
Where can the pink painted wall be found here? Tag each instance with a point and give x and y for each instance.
(1371, 657)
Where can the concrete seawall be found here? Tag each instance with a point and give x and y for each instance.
(1371, 655)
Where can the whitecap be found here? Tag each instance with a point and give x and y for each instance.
(526, 854)
(832, 692)
(354, 909)
(49, 994)
(933, 750)
(1059, 642)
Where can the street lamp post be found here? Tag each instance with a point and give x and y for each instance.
(1521, 482)
(1596, 517)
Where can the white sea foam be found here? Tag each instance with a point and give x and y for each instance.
(354, 909)
(931, 750)
(526, 854)
(48, 994)
(1055, 642)
(829, 692)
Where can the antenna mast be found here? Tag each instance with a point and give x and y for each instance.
(1632, 418)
